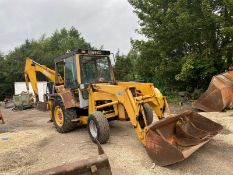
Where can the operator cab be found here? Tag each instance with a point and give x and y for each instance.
(84, 67)
(81, 68)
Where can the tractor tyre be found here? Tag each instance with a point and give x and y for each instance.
(98, 127)
(148, 112)
(61, 117)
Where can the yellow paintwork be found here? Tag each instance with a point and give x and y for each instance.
(83, 120)
(58, 116)
(31, 67)
(121, 112)
(117, 97)
(50, 105)
(121, 96)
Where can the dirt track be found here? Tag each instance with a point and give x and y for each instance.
(29, 143)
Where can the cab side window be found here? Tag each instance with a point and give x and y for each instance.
(59, 70)
(70, 72)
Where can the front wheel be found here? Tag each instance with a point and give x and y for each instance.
(98, 127)
(148, 112)
(148, 115)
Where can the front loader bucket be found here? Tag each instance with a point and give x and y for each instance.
(175, 138)
(219, 94)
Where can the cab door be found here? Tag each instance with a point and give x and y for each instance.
(70, 73)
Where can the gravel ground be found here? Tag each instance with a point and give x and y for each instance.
(28, 143)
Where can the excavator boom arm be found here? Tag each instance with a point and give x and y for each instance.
(31, 67)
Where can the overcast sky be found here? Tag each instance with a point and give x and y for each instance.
(101, 22)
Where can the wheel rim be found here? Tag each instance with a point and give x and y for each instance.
(93, 128)
(59, 117)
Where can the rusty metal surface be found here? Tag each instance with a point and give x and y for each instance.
(98, 165)
(174, 139)
(68, 99)
(219, 94)
(42, 106)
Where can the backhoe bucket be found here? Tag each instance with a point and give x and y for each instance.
(219, 94)
(175, 138)
(98, 165)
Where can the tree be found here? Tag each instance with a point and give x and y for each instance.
(43, 50)
(125, 67)
(188, 41)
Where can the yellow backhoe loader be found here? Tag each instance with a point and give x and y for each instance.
(86, 93)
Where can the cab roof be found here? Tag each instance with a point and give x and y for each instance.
(82, 51)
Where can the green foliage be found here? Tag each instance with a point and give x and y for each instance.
(188, 41)
(43, 51)
(125, 67)
(3, 76)
(195, 71)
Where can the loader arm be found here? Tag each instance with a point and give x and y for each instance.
(30, 70)
(171, 139)
(121, 94)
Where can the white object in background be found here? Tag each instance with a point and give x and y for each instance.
(21, 86)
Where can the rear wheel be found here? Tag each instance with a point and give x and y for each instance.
(98, 127)
(62, 118)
